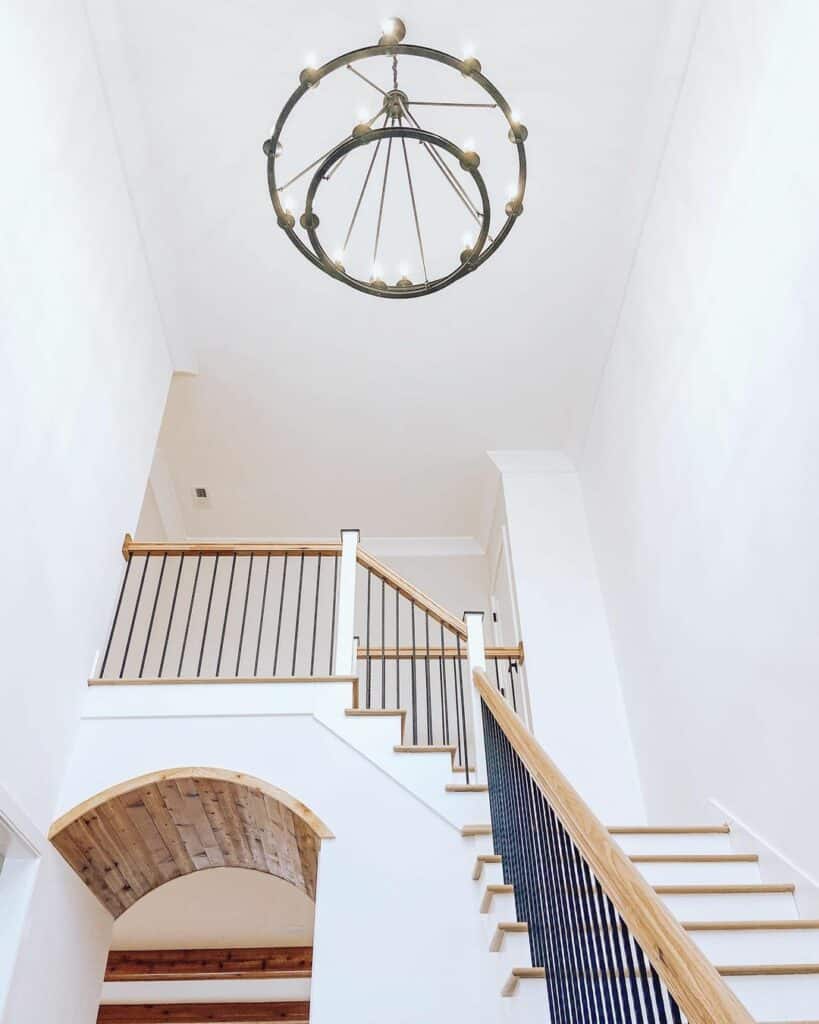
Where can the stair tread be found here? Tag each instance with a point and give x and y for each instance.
(750, 970)
(467, 787)
(694, 858)
(480, 860)
(519, 974)
(668, 830)
(494, 890)
(374, 712)
(430, 748)
(476, 830)
(698, 890)
(742, 926)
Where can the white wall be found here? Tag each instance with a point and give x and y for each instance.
(85, 373)
(700, 474)
(397, 932)
(578, 714)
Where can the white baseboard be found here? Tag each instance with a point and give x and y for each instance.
(774, 865)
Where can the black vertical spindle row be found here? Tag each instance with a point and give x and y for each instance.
(212, 636)
(595, 969)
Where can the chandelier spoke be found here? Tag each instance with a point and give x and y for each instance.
(363, 189)
(381, 204)
(443, 103)
(367, 80)
(415, 210)
(456, 186)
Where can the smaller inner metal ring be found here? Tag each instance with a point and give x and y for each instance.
(391, 292)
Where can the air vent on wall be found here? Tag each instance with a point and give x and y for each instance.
(200, 492)
(200, 497)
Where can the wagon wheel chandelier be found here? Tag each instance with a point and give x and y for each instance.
(386, 135)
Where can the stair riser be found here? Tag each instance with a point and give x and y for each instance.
(789, 997)
(514, 952)
(732, 907)
(492, 874)
(693, 873)
(675, 845)
(759, 947)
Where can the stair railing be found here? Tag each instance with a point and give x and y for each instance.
(610, 948)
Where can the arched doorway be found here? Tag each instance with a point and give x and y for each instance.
(139, 834)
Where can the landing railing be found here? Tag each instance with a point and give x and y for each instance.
(188, 611)
(610, 948)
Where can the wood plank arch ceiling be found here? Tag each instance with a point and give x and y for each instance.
(134, 837)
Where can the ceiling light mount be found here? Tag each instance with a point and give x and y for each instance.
(387, 134)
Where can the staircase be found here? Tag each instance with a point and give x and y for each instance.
(557, 917)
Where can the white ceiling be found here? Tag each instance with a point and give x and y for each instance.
(314, 407)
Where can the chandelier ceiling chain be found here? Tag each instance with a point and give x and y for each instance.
(393, 120)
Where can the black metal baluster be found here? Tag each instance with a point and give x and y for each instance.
(244, 615)
(397, 655)
(631, 971)
(116, 617)
(570, 972)
(497, 678)
(367, 699)
(620, 971)
(133, 617)
(333, 614)
(227, 611)
(190, 610)
(383, 655)
(612, 951)
(315, 615)
(298, 616)
(457, 711)
(463, 706)
(170, 614)
(607, 982)
(279, 622)
(584, 978)
(261, 616)
(153, 613)
(430, 736)
(647, 983)
(207, 616)
(513, 668)
(444, 703)
(558, 994)
(413, 680)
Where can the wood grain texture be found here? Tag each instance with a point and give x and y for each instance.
(204, 1013)
(701, 993)
(132, 838)
(407, 653)
(199, 964)
(239, 548)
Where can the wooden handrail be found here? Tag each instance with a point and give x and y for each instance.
(691, 979)
(406, 589)
(406, 653)
(135, 547)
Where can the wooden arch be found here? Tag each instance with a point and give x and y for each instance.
(135, 836)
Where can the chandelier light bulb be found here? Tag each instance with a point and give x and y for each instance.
(468, 50)
(511, 191)
(375, 272)
(468, 146)
(468, 239)
(516, 116)
(403, 269)
(338, 255)
(311, 61)
(363, 115)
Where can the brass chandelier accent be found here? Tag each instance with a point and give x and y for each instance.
(398, 125)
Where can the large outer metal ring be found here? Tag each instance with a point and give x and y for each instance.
(391, 291)
(365, 53)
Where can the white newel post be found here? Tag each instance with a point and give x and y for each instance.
(343, 663)
(476, 658)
